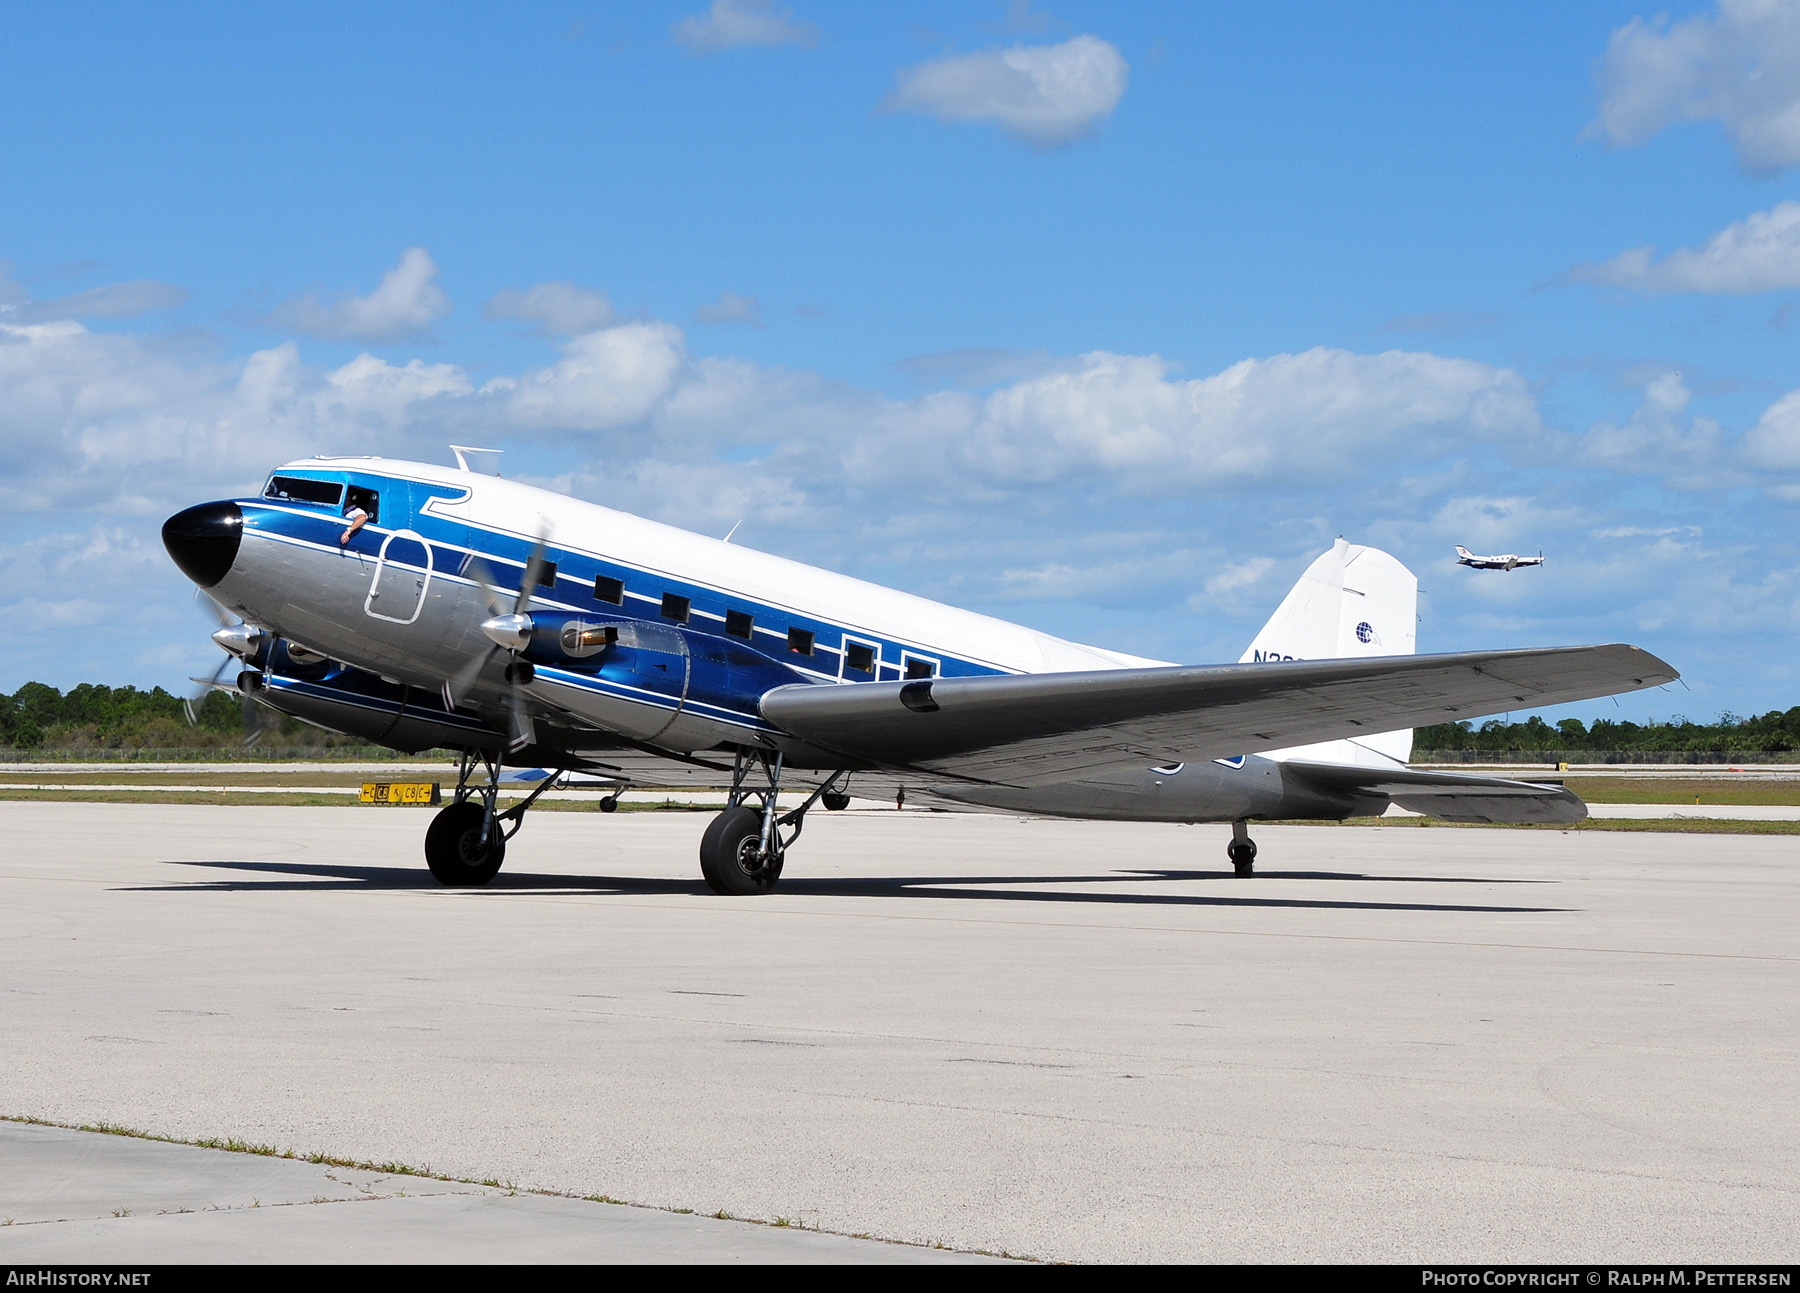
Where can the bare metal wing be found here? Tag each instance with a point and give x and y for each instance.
(1038, 729)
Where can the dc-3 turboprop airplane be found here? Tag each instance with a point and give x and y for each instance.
(1506, 561)
(522, 626)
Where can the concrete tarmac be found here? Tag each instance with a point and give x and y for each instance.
(716, 799)
(1066, 1040)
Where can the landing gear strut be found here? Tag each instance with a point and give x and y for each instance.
(1242, 849)
(743, 849)
(466, 842)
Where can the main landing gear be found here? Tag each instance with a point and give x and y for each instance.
(744, 847)
(1242, 849)
(466, 842)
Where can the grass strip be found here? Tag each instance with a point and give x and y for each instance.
(1672, 790)
(233, 1145)
(288, 780)
(304, 799)
(1651, 825)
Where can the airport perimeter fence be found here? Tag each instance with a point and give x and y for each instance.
(1575, 758)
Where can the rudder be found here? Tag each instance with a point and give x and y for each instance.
(1352, 602)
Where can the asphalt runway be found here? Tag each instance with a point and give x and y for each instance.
(1074, 1041)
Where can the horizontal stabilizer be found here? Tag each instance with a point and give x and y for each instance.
(1452, 796)
(1038, 729)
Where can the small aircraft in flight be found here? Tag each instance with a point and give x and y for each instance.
(424, 607)
(1506, 561)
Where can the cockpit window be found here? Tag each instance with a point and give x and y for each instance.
(367, 500)
(298, 489)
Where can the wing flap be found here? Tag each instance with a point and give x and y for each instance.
(1038, 729)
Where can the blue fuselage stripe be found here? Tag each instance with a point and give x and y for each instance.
(455, 544)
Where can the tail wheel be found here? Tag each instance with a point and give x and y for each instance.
(731, 854)
(1243, 856)
(455, 851)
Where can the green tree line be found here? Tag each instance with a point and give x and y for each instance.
(1776, 732)
(92, 716)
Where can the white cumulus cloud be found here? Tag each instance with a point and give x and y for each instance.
(731, 24)
(1739, 66)
(1301, 416)
(1656, 441)
(1758, 254)
(559, 309)
(1774, 442)
(370, 390)
(406, 303)
(1045, 95)
(1238, 576)
(605, 379)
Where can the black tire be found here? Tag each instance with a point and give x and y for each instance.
(1242, 855)
(453, 847)
(834, 801)
(610, 804)
(728, 854)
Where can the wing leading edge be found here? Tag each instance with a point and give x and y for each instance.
(1038, 729)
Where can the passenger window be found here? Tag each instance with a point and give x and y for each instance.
(675, 607)
(859, 657)
(367, 499)
(918, 666)
(800, 641)
(546, 574)
(739, 624)
(608, 589)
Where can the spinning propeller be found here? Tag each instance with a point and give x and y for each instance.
(240, 642)
(510, 632)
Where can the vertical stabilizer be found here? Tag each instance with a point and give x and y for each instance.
(1379, 613)
(1306, 624)
(1352, 602)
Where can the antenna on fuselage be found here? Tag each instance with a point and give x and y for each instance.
(460, 449)
(733, 530)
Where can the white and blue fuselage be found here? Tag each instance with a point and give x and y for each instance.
(717, 624)
(472, 612)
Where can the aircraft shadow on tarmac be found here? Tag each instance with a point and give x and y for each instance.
(317, 876)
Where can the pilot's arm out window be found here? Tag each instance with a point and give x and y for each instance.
(366, 499)
(361, 507)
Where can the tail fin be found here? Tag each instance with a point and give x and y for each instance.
(1352, 602)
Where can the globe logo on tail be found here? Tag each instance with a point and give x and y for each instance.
(1365, 633)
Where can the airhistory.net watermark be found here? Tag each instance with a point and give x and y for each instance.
(1608, 1276)
(50, 1278)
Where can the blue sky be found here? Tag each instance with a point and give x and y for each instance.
(1107, 320)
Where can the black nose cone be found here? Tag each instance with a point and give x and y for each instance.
(204, 540)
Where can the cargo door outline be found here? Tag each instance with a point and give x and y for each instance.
(398, 577)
